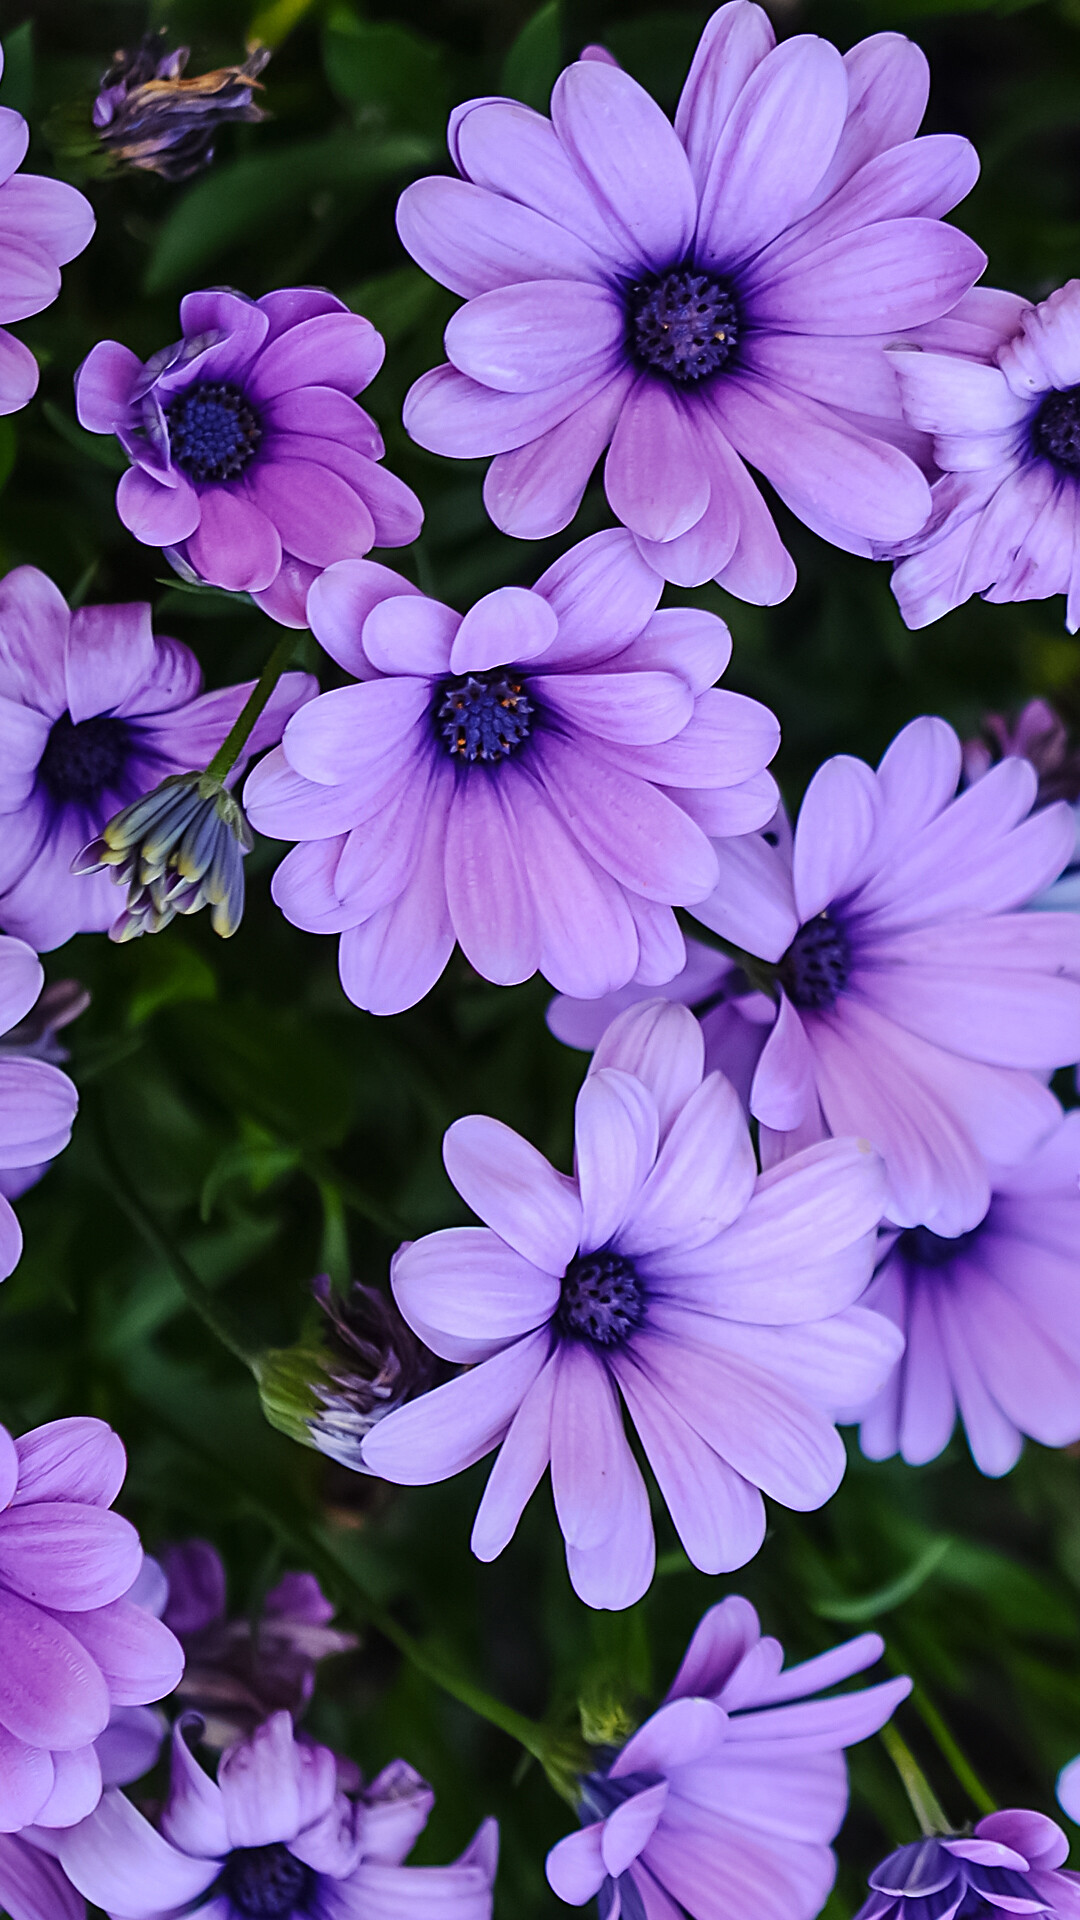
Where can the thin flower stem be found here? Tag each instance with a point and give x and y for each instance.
(925, 1804)
(951, 1751)
(237, 737)
(213, 1315)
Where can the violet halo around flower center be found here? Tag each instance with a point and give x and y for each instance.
(214, 430)
(683, 323)
(814, 971)
(925, 1248)
(483, 716)
(602, 1299)
(84, 759)
(267, 1883)
(1055, 432)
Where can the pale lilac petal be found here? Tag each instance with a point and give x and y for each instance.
(634, 832)
(616, 1132)
(510, 624)
(271, 1785)
(473, 241)
(469, 1292)
(519, 1467)
(603, 596)
(628, 1830)
(734, 42)
(395, 958)
(754, 903)
(784, 1090)
(193, 1816)
(159, 516)
(115, 1855)
(625, 149)
(888, 88)
(662, 1045)
(63, 1554)
(836, 821)
(31, 279)
(140, 1659)
(892, 274)
(488, 889)
(588, 938)
(450, 1428)
(681, 1732)
(728, 738)
(21, 980)
(340, 601)
(634, 710)
(76, 1788)
(26, 1781)
(703, 1177)
(516, 152)
(37, 1109)
(109, 653)
(655, 476)
(397, 1805)
(448, 413)
(837, 1364)
(358, 728)
(718, 1516)
(522, 339)
(684, 640)
(51, 1693)
(721, 1639)
(282, 804)
(19, 373)
(515, 1191)
(534, 491)
(591, 1460)
(316, 514)
(32, 1886)
(340, 350)
(575, 1866)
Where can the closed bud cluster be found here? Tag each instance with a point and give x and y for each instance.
(176, 850)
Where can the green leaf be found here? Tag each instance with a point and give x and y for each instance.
(102, 449)
(386, 73)
(535, 61)
(242, 201)
(269, 1067)
(395, 302)
(17, 85)
(166, 972)
(255, 1162)
(9, 447)
(894, 1593)
(270, 24)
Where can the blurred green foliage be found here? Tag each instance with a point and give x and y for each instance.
(272, 1131)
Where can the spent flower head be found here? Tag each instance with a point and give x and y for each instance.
(148, 115)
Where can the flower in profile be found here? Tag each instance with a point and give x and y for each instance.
(725, 1801)
(666, 1276)
(77, 1646)
(148, 115)
(916, 1005)
(43, 224)
(96, 709)
(1002, 402)
(239, 1669)
(252, 465)
(696, 298)
(1041, 736)
(274, 1836)
(177, 850)
(537, 780)
(38, 1102)
(1012, 1861)
(991, 1320)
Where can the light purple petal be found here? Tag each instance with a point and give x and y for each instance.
(510, 624)
(138, 1656)
(535, 490)
(519, 1467)
(754, 903)
(575, 1866)
(679, 1733)
(662, 1045)
(358, 729)
(27, 1775)
(51, 1693)
(316, 514)
(728, 739)
(396, 1809)
(718, 1516)
(703, 1177)
(836, 821)
(193, 1816)
(616, 1132)
(62, 1554)
(516, 152)
(76, 1788)
(395, 958)
(21, 980)
(448, 413)
(735, 41)
(31, 278)
(473, 241)
(118, 1861)
(340, 350)
(683, 640)
(340, 601)
(628, 1830)
(38, 1104)
(469, 1292)
(514, 1190)
(448, 1429)
(644, 841)
(526, 338)
(272, 1785)
(159, 516)
(625, 149)
(19, 373)
(588, 938)
(109, 652)
(634, 710)
(590, 1457)
(33, 1887)
(488, 889)
(655, 475)
(234, 544)
(603, 595)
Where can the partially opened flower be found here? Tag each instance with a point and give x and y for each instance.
(96, 710)
(991, 1320)
(722, 1806)
(43, 224)
(1010, 1863)
(252, 464)
(274, 1836)
(916, 1003)
(696, 297)
(76, 1647)
(537, 780)
(665, 1276)
(38, 1102)
(1003, 407)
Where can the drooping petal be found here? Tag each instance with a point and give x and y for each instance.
(448, 1429)
(118, 1860)
(470, 1292)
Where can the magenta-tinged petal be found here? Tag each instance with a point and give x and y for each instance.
(515, 1191)
(316, 514)
(733, 43)
(157, 515)
(660, 1044)
(469, 1294)
(76, 1788)
(625, 148)
(535, 490)
(18, 373)
(575, 1866)
(450, 1428)
(473, 241)
(509, 624)
(526, 338)
(26, 1781)
(77, 1459)
(519, 1467)
(588, 938)
(139, 1657)
(616, 1133)
(21, 979)
(115, 1856)
(655, 476)
(340, 350)
(340, 601)
(234, 544)
(324, 413)
(778, 140)
(32, 1886)
(31, 278)
(51, 1693)
(61, 1554)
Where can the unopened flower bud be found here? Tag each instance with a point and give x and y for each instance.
(176, 850)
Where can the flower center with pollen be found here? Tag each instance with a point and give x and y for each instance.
(814, 970)
(483, 716)
(924, 1248)
(683, 324)
(602, 1300)
(1056, 430)
(84, 759)
(213, 431)
(266, 1883)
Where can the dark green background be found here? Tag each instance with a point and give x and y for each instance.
(273, 1130)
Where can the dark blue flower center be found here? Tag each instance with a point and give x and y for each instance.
(267, 1883)
(924, 1248)
(84, 759)
(1055, 431)
(684, 324)
(602, 1300)
(814, 970)
(213, 430)
(483, 716)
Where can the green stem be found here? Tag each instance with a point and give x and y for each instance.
(951, 1751)
(197, 1294)
(925, 1804)
(237, 737)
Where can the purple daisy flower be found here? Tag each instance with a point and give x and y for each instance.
(998, 388)
(915, 1004)
(43, 224)
(696, 297)
(722, 1806)
(252, 465)
(38, 1102)
(1010, 1863)
(991, 1320)
(718, 1305)
(95, 711)
(77, 1645)
(537, 780)
(275, 1836)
